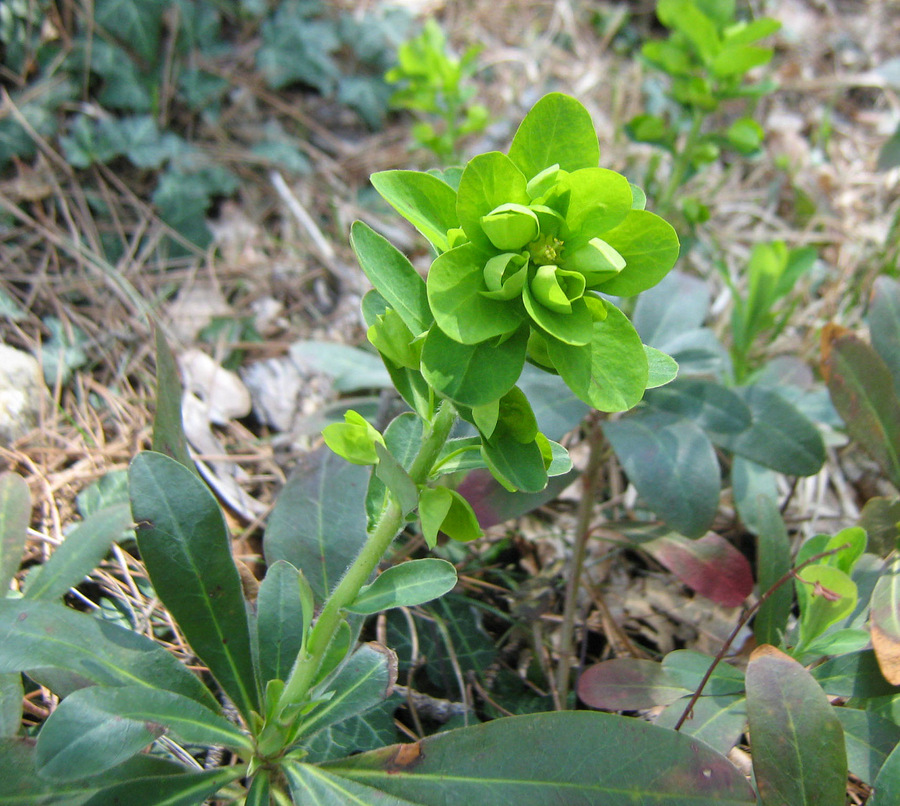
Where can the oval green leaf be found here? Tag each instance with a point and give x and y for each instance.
(422, 199)
(488, 181)
(406, 585)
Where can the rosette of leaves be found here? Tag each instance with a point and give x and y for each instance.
(526, 243)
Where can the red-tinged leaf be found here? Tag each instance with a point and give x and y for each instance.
(885, 621)
(796, 740)
(711, 566)
(626, 684)
(862, 390)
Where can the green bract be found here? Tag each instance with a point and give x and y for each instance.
(525, 244)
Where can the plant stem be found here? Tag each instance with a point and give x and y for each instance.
(388, 527)
(680, 166)
(740, 625)
(573, 582)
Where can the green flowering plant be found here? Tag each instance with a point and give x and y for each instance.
(530, 247)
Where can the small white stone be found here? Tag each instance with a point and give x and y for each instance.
(21, 393)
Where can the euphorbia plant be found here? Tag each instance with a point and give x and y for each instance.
(524, 244)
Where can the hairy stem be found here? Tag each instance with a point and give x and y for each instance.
(392, 521)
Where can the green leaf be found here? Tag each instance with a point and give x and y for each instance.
(455, 283)
(661, 368)
(887, 784)
(354, 439)
(599, 199)
(284, 612)
(488, 181)
(889, 155)
(718, 721)
(11, 693)
(80, 553)
(184, 544)
(362, 683)
(519, 466)
(855, 674)
(350, 368)
(688, 668)
(825, 595)
(862, 390)
(797, 743)
(884, 616)
(135, 22)
(879, 517)
(557, 131)
(756, 497)
(713, 407)
(393, 276)
(97, 728)
(473, 374)
(611, 372)
(319, 519)
(15, 514)
(260, 791)
(595, 759)
(168, 428)
(444, 510)
(869, 740)
(677, 305)
(20, 785)
(403, 438)
(38, 634)
(327, 789)
(884, 324)
(572, 327)
(394, 476)
(627, 684)
(650, 248)
(779, 436)
(422, 199)
(188, 789)
(408, 584)
(673, 465)
(297, 49)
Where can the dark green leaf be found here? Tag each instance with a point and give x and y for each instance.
(296, 49)
(15, 514)
(718, 721)
(11, 694)
(328, 789)
(393, 276)
(884, 324)
(411, 583)
(879, 517)
(797, 743)
(188, 789)
(363, 682)
(673, 465)
(80, 553)
(678, 304)
(350, 368)
(284, 611)
(887, 784)
(557, 131)
(530, 760)
(168, 429)
(756, 498)
(862, 390)
(184, 544)
(319, 520)
(36, 635)
(517, 465)
(869, 740)
(884, 618)
(422, 199)
(713, 407)
(137, 23)
(394, 476)
(97, 728)
(855, 674)
(779, 437)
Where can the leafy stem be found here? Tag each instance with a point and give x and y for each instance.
(681, 164)
(388, 527)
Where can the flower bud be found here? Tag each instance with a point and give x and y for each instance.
(597, 261)
(555, 288)
(510, 227)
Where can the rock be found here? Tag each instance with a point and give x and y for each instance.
(21, 393)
